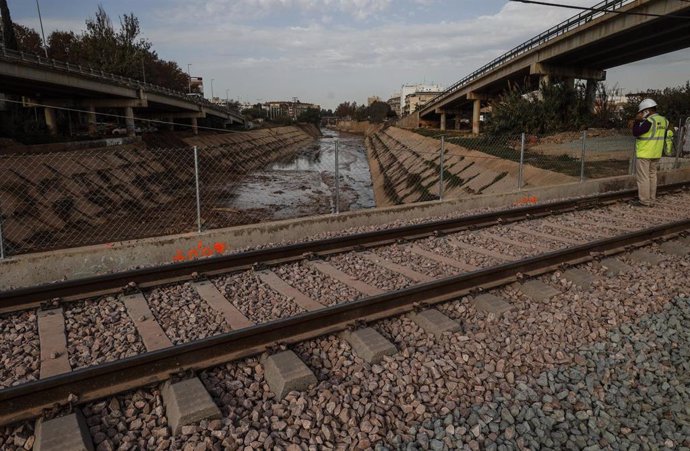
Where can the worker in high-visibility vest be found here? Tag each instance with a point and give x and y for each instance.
(653, 139)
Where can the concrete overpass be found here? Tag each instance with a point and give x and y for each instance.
(582, 47)
(43, 81)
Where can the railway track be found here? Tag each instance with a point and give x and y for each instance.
(419, 265)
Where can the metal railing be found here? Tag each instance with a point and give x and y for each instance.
(553, 32)
(63, 66)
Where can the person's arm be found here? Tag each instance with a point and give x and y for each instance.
(641, 127)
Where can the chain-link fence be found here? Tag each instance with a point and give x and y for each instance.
(76, 198)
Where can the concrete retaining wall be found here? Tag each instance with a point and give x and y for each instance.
(365, 128)
(405, 169)
(76, 263)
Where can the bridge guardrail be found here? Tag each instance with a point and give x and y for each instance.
(553, 32)
(12, 55)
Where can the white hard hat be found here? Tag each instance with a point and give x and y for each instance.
(646, 103)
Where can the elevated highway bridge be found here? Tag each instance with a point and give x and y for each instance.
(56, 84)
(614, 33)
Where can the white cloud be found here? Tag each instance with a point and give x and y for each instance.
(328, 48)
(252, 9)
(329, 51)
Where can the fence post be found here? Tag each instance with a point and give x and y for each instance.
(198, 196)
(2, 243)
(440, 176)
(522, 160)
(337, 178)
(679, 144)
(582, 157)
(633, 162)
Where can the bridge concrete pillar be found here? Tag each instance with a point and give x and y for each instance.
(129, 121)
(443, 121)
(195, 126)
(51, 120)
(590, 94)
(91, 118)
(476, 110)
(458, 117)
(545, 80)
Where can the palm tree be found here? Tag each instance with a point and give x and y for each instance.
(8, 37)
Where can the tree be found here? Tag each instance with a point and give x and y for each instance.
(346, 109)
(554, 108)
(361, 113)
(255, 112)
(63, 46)
(310, 115)
(673, 103)
(378, 111)
(8, 37)
(27, 39)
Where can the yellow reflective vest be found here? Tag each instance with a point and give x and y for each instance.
(652, 144)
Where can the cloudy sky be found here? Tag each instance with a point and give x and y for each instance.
(329, 51)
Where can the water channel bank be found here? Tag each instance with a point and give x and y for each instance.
(304, 183)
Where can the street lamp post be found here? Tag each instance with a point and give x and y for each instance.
(189, 75)
(212, 88)
(227, 99)
(40, 20)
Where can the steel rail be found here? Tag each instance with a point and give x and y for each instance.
(30, 399)
(71, 290)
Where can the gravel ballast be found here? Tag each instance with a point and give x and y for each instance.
(100, 331)
(183, 315)
(601, 367)
(316, 285)
(254, 299)
(19, 349)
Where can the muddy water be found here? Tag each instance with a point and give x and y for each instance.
(304, 184)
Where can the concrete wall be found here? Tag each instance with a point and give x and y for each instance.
(365, 128)
(411, 121)
(76, 263)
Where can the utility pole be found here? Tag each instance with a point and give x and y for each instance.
(45, 44)
(189, 75)
(212, 88)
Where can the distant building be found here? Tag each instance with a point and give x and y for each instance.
(413, 96)
(372, 99)
(419, 88)
(290, 109)
(394, 103)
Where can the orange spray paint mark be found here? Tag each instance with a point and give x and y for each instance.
(526, 200)
(200, 250)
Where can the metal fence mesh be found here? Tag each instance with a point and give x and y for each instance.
(76, 198)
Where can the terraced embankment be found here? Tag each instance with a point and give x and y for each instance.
(405, 169)
(64, 199)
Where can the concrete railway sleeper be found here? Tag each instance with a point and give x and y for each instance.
(161, 361)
